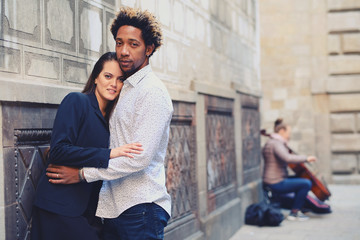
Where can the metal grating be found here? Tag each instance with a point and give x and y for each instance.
(180, 169)
(29, 164)
(221, 169)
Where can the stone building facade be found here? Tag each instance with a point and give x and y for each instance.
(210, 64)
(310, 72)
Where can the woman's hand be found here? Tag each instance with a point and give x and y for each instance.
(126, 150)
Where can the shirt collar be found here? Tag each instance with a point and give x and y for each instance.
(278, 137)
(139, 75)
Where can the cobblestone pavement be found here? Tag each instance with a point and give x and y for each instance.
(342, 224)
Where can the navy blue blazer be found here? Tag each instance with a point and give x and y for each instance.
(80, 138)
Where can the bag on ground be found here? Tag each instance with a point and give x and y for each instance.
(263, 214)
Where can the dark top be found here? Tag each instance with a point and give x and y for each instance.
(80, 138)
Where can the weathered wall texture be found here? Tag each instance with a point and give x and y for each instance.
(343, 87)
(311, 77)
(210, 64)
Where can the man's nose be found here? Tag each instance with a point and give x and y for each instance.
(124, 51)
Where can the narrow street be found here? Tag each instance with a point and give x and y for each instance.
(342, 224)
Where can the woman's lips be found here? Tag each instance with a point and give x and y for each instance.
(112, 91)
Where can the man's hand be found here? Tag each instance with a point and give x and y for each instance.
(62, 174)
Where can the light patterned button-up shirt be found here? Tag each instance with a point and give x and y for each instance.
(142, 114)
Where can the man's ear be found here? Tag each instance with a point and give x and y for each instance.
(149, 49)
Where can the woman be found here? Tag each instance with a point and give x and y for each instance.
(80, 138)
(276, 155)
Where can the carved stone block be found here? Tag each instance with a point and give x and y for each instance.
(91, 29)
(24, 23)
(351, 43)
(344, 64)
(111, 2)
(344, 163)
(343, 84)
(172, 56)
(129, 3)
(179, 16)
(343, 4)
(110, 41)
(10, 60)
(149, 5)
(44, 66)
(165, 12)
(60, 24)
(343, 21)
(75, 71)
(345, 142)
(344, 103)
(340, 123)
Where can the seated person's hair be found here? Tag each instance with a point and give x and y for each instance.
(279, 124)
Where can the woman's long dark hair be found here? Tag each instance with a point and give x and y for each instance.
(90, 85)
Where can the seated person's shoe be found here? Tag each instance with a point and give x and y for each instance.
(298, 216)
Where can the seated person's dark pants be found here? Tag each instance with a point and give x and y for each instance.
(300, 186)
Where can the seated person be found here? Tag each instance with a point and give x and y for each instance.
(275, 176)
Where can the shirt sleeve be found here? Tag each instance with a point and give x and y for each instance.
(282, 153)
(63, 150)
(153, 111)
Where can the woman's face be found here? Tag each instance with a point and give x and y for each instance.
(109, 82)
(287, 133)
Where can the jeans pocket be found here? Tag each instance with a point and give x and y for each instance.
(160, 219)
(135, 219)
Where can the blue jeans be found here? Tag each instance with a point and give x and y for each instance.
(300, 186)
(141, 222)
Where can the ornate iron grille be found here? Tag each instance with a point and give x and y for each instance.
(251, 149)
(30, 145)
(180, 167)
(251, 138)
(221, 170)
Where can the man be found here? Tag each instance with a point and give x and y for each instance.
(133, 199)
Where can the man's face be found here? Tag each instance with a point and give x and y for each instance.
(131, 50)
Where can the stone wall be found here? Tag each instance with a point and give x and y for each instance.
(343, 87)
(210, 64)
(294, 72)
(310, 76)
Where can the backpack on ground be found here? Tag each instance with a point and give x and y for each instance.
(263, 214)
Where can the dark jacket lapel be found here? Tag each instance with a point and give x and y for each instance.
(95, 105)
